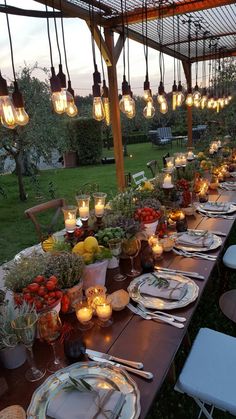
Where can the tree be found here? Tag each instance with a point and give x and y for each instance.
(43, 132)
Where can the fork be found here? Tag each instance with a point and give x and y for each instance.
(209, 215)
(155, 318)
(194, 254)
(161, 313)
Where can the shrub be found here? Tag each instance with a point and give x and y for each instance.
(86, 138)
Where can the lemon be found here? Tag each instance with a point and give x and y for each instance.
(78, 248)
(90, 244)
(88, 257)
(47, 245)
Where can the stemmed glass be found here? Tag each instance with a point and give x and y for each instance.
(50, 327)
(25, 328)
(115, 246)
(131, 247)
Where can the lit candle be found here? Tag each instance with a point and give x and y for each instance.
(70, 223)
(183, 161)
(104, 311)
(84, 211)
(99, 209)
(211, 151)
(169, 165)
(157, 249)
(84, 314)
(219, 143)
(167, 183)
(152, 240)
(178, 161)
(190, 155)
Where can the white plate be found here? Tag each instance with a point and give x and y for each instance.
(217, 242)
(99, 375)
(232, 208)
(159, 303)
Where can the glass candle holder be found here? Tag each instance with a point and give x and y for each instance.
(169, 164)
(203, 192)
(104, 313)
(69, 212)
(95, 295)
(83, 205)
(179, 217)
(167, 181)
(157, 250)
(190, 154)
(99, 203)
(84, 313)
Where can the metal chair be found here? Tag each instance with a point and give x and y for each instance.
(153, 166)
(209, 373)
(43, 230)
(139, 177)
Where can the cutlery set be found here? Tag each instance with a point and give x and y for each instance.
(197, 255)
(213, 215)
(131, 366)
(141, 311)
(195, 275)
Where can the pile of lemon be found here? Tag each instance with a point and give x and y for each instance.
(88, 249)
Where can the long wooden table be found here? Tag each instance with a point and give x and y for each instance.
(131, 337)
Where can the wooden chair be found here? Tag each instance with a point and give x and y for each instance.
(139, 177)
(128, 180)
(41, 229)
(164, 158)
(156, 140)
(153, 166)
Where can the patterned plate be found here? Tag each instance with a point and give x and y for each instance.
(217, 242)
(159, 303)
(99, 375)
(232, 208)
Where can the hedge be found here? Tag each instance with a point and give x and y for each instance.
(87, 139)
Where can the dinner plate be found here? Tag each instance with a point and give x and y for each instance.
(217, 242)
(232, 208)
(99, 376)
(161, 303)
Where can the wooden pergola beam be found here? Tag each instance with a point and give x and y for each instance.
(98, 38)
(11, 10)
(225, 53)
(179, 8)
(201, 38)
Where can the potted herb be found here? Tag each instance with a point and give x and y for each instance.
(12, 351)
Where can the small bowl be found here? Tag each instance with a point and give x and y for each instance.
(189, 210)
(167, 243)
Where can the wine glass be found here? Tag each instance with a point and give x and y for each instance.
(116, 248)
(131, 247)
(25, 328)
(50, 327)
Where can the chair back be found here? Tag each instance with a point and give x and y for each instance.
(139, 177)
(164, 158)
(153, 166)
(165, 132)
(154, 137)
(42, 229)
(128, 180)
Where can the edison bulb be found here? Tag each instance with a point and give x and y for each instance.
(196, 95)
(179, 99)
(59, 102)
(146, 94)
(221, 102)
(161, 99)
(164, 107)
(131, 110)
(226, 101)
(8, 112)
(197, 103)
(98, 109)
(22, 118)
(71, 108)
(210, 103)
(125, 103)
(174, 100)
(106, 106)
(203, 101)
(149, 110)
(189, 100)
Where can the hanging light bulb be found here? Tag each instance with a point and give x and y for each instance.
(58, 97)
(98, 109)
(180, 95)
(164, 106)
(174, 96)
(149, 110)
(132, 110)
(8, 113)
(204, 98)
(189, 98)
(146, 89)
(71, 109)
(106, 103)
(161, 97)
(126, 104)
(210, 102)
(196, 96)
(22, 118)
(221, 102)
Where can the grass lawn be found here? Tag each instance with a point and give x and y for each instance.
(17, 232)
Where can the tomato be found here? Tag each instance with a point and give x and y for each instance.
(59, 294)
(38, 305)
(39, 279)
(65, 303)
(42, 291)
(25, 290)
(51, 301)
(33, 287)
(50, 285)
(54, 279)
(52, 294)
(46, 297)
(27, 296)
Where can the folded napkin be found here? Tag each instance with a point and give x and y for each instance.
(167, 289)
(197, 240)
(99, 404)
(216, 206)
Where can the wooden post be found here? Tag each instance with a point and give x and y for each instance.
(188, 75)
(115, 111)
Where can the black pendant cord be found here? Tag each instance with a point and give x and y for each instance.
(91, 16)
(10, 41)
(145, 35)
(123, 32)
(56, 32)
(49, 38)
(196, 52)
(178, 62)
(127, 32)
(159, 31)
(63, 42)
(174, 42)
(100, 45)
(204, 63)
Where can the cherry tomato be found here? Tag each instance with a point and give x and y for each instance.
(50, 285)
(27, 296)
(52, 294)
(33, 287)
(38, 305)
(42, 291)
(59, 294)
(39, 279)
(54, 279)
(65, 303)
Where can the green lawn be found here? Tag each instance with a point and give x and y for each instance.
(17, 232)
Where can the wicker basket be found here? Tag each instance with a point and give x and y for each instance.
(10, 412)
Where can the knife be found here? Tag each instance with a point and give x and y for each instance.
(108, 357)
(145, 374)
(178, 271)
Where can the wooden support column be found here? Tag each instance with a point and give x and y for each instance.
(115, 111)
(188, 75)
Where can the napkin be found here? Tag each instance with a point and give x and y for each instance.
(170, 290)
(216, 206)
(79, 405)
(191, 239)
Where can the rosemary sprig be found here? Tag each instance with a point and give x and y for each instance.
(79, 385)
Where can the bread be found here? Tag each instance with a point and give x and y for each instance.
(118, 299)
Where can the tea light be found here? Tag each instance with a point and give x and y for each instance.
(104, 312)
(99, 209)
(69, 212)
(183, 161)
(177, 162)
(157, 249)
(152, 240)
(84, 314)
(190, 156)
(167, 183)
(170, 165)
(84, 211)
(211, 151)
